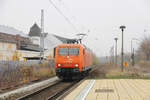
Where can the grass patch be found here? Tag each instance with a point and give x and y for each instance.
(112, 72)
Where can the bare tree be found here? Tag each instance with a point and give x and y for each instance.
(144, 50)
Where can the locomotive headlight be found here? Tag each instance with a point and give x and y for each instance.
(59, 65)
(76, 65)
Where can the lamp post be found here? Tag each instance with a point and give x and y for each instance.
(116, 39)
(122, 53)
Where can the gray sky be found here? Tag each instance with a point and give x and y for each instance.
(101, 17)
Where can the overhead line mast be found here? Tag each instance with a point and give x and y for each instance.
(42, 36)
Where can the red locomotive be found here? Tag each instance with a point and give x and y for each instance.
(72, 60)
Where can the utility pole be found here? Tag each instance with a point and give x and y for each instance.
(116, 51)
(132, 57)
(131, 46)
(112, 60)
(42, 36)
(131, 52)
(122, 53)
(113, 54)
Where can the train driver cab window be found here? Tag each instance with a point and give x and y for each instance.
(63, 50)
(68, 51)
(73, 50)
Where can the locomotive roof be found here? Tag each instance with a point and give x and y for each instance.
(76, 45)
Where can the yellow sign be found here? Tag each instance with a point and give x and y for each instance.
(125, 63)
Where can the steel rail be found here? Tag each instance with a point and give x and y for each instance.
(57, 94)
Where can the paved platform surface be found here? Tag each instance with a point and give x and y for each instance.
(112, 89)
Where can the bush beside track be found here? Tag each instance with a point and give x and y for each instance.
(16, 73)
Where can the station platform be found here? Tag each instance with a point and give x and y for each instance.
(111, 89)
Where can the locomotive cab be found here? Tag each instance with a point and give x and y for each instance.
(70, 60)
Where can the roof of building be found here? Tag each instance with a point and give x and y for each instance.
(35, 30)
(11, 30)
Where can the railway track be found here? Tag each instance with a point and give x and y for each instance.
(51, 92)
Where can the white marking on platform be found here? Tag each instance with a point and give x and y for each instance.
(82, 95)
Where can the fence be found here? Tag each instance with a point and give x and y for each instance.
(13, 73)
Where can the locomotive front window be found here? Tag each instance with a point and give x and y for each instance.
(73, 50)
(68, 51)
(63, 51)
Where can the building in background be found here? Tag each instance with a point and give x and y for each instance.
(7, 49)
(15, 45)
(34, 34)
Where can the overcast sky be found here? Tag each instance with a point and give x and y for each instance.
(101, 17)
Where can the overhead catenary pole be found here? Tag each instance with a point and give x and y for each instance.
(131, 46)
(131, 50)
(42, 36)
(116, 51)
(113, 54)
(122, 52)
(112, 60)
(133, 62)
